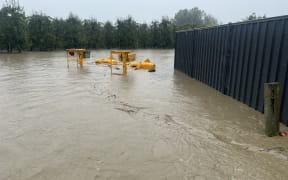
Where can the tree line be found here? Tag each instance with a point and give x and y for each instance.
(40, 32)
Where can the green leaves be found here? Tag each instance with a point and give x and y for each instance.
(253, 16)
(194, 18)
(109, 35)
(12, 27)
(126, 33)
(43, 33)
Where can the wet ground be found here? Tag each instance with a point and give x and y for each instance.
(84, 124)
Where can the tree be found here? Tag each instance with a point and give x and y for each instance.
(209, 21)
(109, 35)
(143, 35)
(73, 37)
(93, 33)
(59, 33)
(155, 34)
(126, 33)
(166, 33)
(41, 32)
(253, 16)
(13, 33)
(194, 18)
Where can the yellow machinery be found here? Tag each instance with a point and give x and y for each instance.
(125, 57)
(146, 64)
(131, 57)
(78, 53)
(110, 59)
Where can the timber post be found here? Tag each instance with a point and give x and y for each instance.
(272, 108)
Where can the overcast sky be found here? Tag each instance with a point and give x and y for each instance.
(148, 10)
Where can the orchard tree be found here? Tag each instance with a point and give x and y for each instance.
(166, 33)
(41, 32)
(193, 18)
(143, 35)
(93, 34)
(12, 27)
(73, 32)
(59, 33)
(155, 34)
(253, 16)
(109, 35)
(126, 32)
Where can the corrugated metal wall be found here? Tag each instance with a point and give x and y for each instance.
(237, 59)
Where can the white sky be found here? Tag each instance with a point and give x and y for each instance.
(147, 10)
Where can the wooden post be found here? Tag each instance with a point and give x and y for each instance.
(272, 108)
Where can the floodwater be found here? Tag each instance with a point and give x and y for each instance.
(84, 124)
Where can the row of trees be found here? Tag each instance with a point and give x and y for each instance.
(193, 18)
(41, 32)
(13, 34)
(253, 16)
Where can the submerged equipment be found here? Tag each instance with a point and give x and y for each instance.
(80, 55)
(146, 64)
(125, 57)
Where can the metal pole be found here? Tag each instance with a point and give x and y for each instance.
(272, 108)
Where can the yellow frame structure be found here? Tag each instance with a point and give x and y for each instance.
(123, 55)
(79, 56)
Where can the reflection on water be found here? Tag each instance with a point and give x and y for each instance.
(83, 123)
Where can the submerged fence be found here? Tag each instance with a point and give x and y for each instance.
(237, 59)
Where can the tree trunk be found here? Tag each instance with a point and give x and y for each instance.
(9, 48)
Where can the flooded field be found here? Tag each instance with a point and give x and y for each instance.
(84, 124)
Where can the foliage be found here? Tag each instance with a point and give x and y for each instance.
(109, 35)
(59, 33)
(193, 18)
(166, 30)
(155, 34)
(253, 16)
(73, 36)
(143, 35)
(92, 30)
(42, 33)
(126, 33)
(12, 27)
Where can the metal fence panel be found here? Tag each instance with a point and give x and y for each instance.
(237, 59)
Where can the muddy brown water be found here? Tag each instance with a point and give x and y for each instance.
(82, 123)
